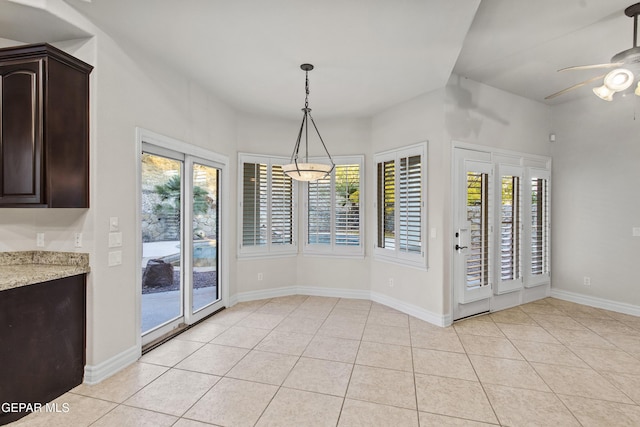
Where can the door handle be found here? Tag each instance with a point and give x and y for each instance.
(458, 247)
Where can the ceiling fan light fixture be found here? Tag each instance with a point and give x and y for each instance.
(603, 92)
(619, 79)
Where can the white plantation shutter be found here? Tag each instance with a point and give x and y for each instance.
(254, 204)
(401, 213)
(410, 205)
(319, 212)
(386, 205)
(281, 207)
(477, 203)
(333, 215)
(539, 226)
(267, 206)
(347, 205)
(510, 228)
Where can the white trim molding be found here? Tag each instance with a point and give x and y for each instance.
(619, 307)
(93, 374)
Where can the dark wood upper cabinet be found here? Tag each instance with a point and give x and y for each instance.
(44, 128)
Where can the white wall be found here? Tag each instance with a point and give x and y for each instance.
(464, 111)
(596, 177)
(268, 135)
(127, 90)
(133, 92)
(418, 120)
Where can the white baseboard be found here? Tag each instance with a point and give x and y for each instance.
(591, 301)
(93, 374)
(410, 309)
(267, 293)
(333, 292)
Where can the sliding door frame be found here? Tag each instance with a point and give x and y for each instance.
(193, 154)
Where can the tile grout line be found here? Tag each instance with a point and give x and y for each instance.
(495, 414)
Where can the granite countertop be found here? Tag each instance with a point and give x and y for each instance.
(30, 267)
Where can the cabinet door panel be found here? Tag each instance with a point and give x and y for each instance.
(20, 141)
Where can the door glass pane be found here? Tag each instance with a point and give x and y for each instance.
(477, 265)
(161, 253)
(206, 220)
(510, 229)
(539, 227)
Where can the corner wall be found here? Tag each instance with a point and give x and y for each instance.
(269, 135)
(596, 173)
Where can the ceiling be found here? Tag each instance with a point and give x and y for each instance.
(368, 54)
(519, 45)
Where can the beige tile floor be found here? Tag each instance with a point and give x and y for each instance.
(315, 361)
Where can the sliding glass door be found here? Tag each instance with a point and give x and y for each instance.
(180, 232)
(204, 246)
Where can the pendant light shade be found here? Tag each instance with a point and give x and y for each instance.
(307, 171)
(299, 167)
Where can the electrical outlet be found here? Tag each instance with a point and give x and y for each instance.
(391, 282)
(78, 240)
(260, 277)
(587, 281)
(40, 240)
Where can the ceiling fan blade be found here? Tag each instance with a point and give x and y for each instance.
(575, 86)
(591, 67)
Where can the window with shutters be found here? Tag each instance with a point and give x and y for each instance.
(267, 204)
(400, 205)
(539, 243)
(333, 211)
(510, 228)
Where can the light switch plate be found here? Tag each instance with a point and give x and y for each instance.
(115, 258)
(115, 240)
(114, 223)
(636, 232)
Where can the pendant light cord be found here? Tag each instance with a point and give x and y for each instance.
(306, 89)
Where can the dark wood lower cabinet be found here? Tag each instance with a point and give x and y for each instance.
(42, 343)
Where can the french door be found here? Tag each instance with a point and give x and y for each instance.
(501, 230)
(473, 250)
(180, 232)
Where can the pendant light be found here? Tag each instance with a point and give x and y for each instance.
(299, 167)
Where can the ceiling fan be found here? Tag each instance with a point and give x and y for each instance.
(624, 63)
